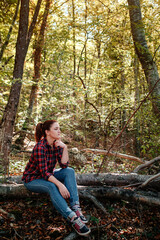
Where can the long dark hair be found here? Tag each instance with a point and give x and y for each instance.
(41, 127)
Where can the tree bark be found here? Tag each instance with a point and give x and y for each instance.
(124, 194)
(115, 179)
(5, 44)
(37, 67)
(108, 179)
(144, 55)
(8, 120)
(137, 99)
(151, 198)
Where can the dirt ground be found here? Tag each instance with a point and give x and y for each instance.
(35, 218)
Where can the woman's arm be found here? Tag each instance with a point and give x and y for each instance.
(65, 156)
(62, 189)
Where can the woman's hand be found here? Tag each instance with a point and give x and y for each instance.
(63, 191)
(59, 143)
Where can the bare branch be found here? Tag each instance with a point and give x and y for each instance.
(86, 194)
(102, 3)
(116, 154)
(84, 86)
(155, 52)
(128, 122)
(146, 164)
(149, 180)
(111, 113)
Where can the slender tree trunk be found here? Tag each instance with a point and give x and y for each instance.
(85, 75)
(8, 120)
(5, 44)
(136, 117)
(37, 67)
(74, 53)
(144, 55)
(123, 113)
(74, 39)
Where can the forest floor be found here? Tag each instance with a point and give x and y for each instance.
(35, 218)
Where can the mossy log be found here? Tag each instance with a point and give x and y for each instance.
(103, 185)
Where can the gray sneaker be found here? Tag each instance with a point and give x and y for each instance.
(80, 214)
(80, 227)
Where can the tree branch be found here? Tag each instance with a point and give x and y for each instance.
(128, 122)
(149, 180)
(146, 164)
(88, 195)
(34, 19)
(116, 154)
(10, 31)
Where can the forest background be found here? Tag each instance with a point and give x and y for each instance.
(93, 66)
(81, 69)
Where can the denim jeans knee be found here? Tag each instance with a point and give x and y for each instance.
(43, 186)
(67, 176)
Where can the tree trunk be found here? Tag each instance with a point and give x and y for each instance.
(144, 55)
(37, 67)
(8, 120)
(74, 40)
(123, 112)
(74, 53)
(5, 44)
(85, 75)
(137, 116)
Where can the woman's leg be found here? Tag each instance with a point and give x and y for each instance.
(67, 176)
(43, 186)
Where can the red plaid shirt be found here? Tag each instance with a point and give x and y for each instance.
(43, 161)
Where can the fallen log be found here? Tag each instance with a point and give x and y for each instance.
(108, 179)
(115, 179)
(150, 198)
(116, 154)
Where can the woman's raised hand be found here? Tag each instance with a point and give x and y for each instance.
(59, 143)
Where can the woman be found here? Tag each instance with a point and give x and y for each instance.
(40, 175)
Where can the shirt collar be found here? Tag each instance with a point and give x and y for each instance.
(45, 142)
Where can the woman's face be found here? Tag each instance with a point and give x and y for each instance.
(54, 132)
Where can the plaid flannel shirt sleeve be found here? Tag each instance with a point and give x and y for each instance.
(60, 152)
(42, 163)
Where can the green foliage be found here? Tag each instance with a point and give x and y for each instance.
(149, 133)
(104, 58)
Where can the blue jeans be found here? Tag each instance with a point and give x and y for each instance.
(66, 176)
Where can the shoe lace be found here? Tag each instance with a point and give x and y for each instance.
(79, 210)
(79, 222)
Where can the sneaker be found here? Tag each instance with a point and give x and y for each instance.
(79, 214)
(80, 227)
